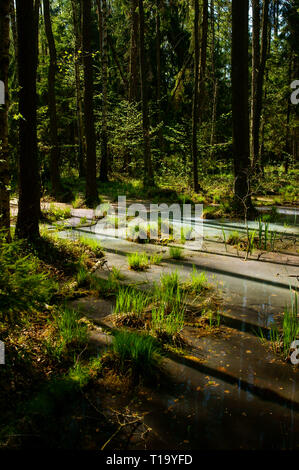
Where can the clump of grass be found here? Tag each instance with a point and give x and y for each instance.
(234, 238)
(78, 202)
(197, 283)
(176, 253)
(69, 334)
(169, 323)
(138, 261)
(104, 287)
(170, 282)
(135, 354)
(93, 244)
(282, 337)
(116, 274)
(156, 259)
(83, 277)
(129, 300)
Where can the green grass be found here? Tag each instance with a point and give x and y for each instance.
(69, 334)
(197, 283)
(281, 337)
(171, 322)
(156, 259)
(138, 261)
(129, 300)
(116, 274)
(170, 282)
(176, 253)
(136, 354)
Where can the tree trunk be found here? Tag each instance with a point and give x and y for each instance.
(4, 149)
(91, 158)
(104, 134)
(55, 150)
(29, 183)
(240, 105)
(148, 177)
(259, 86)
(158, 60)
(255, 126)
(203, 59)
(79, 106)
(133, 69)
(195, 108)
(215, 80)
(14, 28)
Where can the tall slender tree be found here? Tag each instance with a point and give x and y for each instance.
(104, 134)
(240, 82)
(55, 149)
(91, 157)
(195, 107)
(148, 177)
(133, 67)
(29, 183)
(259, 58)
(76, 14)
(4, 151)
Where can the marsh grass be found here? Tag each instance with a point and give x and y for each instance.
(138, 261)
(281, 337)
(129, 300)
(156, 259)
(176, 253)
(134, 354)
(197, 283)
(68, 335)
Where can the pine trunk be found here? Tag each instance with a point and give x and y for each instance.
(4, 149)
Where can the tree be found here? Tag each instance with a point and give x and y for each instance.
(104, 135)
(240, 104)
(133, 66)
(91, 157)
(259, 57)
(76, 12)
(195, 108)
(4, 149)
(29, 183)
(55, 150)
(148, 177)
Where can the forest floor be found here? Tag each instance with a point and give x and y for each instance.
(220, 383)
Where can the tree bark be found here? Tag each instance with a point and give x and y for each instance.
(158, 61)
(195, 107)
(91, 158)
(240, 111)
(29, 183)
(133, 68)
(4, 149)
(259, 83)
(254, 80)
(76, 12)
(203, 59)
(148, 177)
(104, 134)
(55, 150)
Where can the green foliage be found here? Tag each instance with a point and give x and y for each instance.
(24, 283)
(156, 259)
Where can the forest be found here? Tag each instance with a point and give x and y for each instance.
(149, 183)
